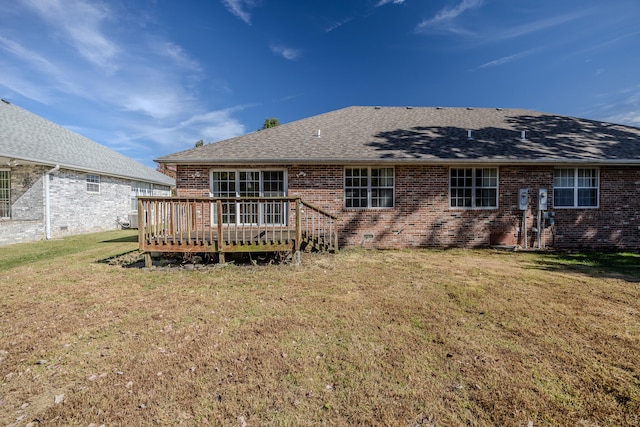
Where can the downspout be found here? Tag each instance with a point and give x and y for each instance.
(47, 201)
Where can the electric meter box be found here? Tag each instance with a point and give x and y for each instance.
(542, 199)
(523, 199)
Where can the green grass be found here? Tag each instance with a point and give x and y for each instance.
(416, 337)
(595, 263)
(28, 253)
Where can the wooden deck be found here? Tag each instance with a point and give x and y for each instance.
(252, 224)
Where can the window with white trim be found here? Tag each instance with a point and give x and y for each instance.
(473, 188)
(369, 187)
(139, 189)
(576, 187)
(5, 193)
(93, 183)
(250, 183)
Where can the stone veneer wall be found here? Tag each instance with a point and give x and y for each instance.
(422, 216)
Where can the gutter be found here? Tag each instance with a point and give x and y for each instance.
(547, 161)
(89, 170)
(47, 201)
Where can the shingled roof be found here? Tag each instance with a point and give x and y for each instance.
(401, 135)
(27, 137)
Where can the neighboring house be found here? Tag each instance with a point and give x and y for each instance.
(54, 182)
(398, 177)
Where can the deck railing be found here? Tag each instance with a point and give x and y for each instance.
(233, 224)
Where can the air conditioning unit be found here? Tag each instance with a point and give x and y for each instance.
(133, 220)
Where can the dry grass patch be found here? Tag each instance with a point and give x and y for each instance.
(361, 337)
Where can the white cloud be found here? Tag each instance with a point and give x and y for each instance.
(536, 26)
(34, 61)
(631, 118)
(508, 59)
(158, 105)
(14, 80)
(445, 17)
(211, 126)
(149, 99)
(80, 23)
(383, 2)
(286, 52)
(238, 8)
(627, 107)
(177, 55)
(24, 54)
(621, 106)
(337, 24)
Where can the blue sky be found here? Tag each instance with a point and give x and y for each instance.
(151, 77)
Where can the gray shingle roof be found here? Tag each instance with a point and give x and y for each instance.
(426, 135)
(28, 137)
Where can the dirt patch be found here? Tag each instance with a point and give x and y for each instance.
(196, 261)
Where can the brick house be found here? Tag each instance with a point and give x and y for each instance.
(55, 182)
(400, 177)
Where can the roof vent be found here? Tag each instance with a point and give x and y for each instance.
(377, 107)
(523, 135)
(318, 134)
(469, 137)
(5, 101)
(409, 107)
(469, 108)
(439, 108)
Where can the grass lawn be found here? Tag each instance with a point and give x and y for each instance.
(409, 338)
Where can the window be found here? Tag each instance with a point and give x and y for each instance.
(368, 187)
(93, 183)
(575, 187)
(473, 188)
(5, 194)
(273, 186)
(139, 189)
(268, 183)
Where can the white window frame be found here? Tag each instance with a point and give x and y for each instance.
(369, 187)
(474, 187)
(261, 209)
(573, 182)
(5, 201)
(138, 189)
(93, 183)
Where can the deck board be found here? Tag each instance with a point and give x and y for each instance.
(256, 241)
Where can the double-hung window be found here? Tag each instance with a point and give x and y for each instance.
(473, 188)
(5, 194)
(93, 183)
(369, 187)
(576, 187)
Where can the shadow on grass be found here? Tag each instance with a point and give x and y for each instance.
(619, 265)
(126, 239)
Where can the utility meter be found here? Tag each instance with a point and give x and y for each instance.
(542, 199)
(523, 199)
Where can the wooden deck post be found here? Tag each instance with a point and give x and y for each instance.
(148, 262)
(142, 230)
(298, 242)
(220, 236)
(141, 225)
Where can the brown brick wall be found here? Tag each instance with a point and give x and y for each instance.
(422, 217)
